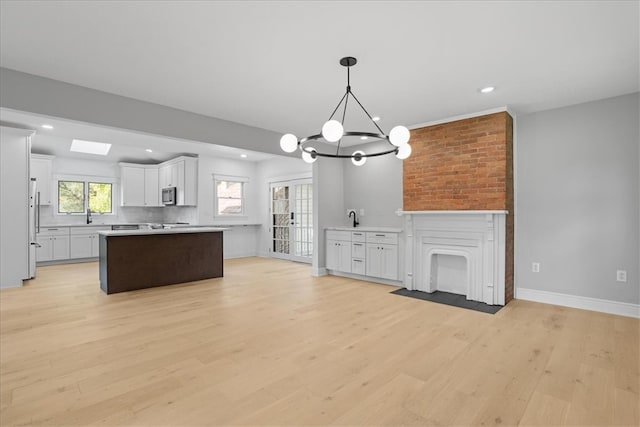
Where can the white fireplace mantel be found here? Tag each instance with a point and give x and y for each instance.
(478, 235)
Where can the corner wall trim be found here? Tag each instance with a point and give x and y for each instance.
(576, 301)
(320, 271)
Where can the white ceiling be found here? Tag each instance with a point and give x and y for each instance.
(127, 146)
(274, 65)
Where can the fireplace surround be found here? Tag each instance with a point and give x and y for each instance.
(478, 236)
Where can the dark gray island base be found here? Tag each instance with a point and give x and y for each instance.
(140, 259)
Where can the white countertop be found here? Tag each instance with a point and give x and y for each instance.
(162, 231)
(367, 229)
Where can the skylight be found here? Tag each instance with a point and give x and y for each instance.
(90, 147)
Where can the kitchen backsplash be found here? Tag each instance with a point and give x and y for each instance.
(124, 215)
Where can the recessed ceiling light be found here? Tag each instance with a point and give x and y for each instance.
(90, 147)
(363, 138)
(47, 127)
(375, 118)
(244, 156)
(487, 89)
(149, 150)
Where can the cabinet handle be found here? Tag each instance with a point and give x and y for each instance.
(357, 260)
(357, 244)
(52, 229)
(357, 234)
(380, 235)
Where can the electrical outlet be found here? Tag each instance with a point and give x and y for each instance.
(361, 212)
(621, 275)
(535, 267)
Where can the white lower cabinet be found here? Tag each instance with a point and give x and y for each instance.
(54, 244)
(372, 254)
(62, 243)
(84, 241)
(81, 246)
(382, 261)
(339, 255)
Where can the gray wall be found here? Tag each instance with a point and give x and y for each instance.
(577, 199)
(34, 94)
(328, 206)
(375, 187)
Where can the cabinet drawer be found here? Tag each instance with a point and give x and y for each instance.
(339, 235)
(54, 231)
(357, 266)
(358, 250)
(383, 238)
(358, 236)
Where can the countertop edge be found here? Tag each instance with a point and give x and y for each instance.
(144, 232)
(366, 229)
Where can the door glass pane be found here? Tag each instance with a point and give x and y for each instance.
(303, 226)
(280, 219)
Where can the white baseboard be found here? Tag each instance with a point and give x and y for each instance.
(366, 278)
(239, 255)
(576, 301)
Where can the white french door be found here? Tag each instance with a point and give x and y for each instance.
(291, 215)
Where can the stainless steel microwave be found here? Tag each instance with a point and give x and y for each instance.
(169, 196)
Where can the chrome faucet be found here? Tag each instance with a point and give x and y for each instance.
(89, 219)
(355, 223)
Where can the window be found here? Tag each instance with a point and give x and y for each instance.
(100, 197)
(70, 197)
(229, 195)
(77, 196)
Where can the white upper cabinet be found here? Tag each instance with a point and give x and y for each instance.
(139, 185)
(41, 171)
(181, 173)
(132, 185)
(151, 187)
(142, 184)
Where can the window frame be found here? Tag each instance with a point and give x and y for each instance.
(86, 180)
(243, 199)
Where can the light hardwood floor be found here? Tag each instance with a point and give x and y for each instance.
(269, 344)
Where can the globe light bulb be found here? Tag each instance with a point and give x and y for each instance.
(357, 158)
(399, 136)
(332, 131)
(309, 157)
(289, 143)
(404, 151)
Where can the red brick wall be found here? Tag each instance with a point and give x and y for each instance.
(460, 165)
(464, 165)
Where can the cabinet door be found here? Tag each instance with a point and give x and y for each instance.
(373, 266)
(190, 182)
(95, 245)
(178, 171)
(164, 176)
(41, 171)
(132, 181)
(151, 187)
(389, 262)
(345, 256)
(333, 255)
(80, 246)
(60, 247)
(44, 252)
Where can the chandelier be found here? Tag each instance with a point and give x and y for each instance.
(333, 132)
